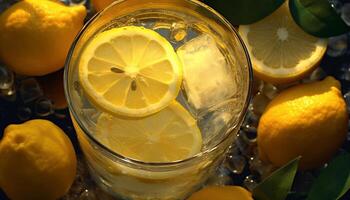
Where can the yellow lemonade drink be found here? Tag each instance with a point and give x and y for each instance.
(157, 92)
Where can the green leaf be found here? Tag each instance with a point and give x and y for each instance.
(334, 180)
(244, 11)
(317, 17)
(278, 184)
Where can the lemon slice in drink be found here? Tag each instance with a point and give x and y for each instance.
(130, 71)
(280, 51)
(169, 135)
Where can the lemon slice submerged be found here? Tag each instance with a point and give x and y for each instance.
(169, 135)
(130, 71)
(281, 52)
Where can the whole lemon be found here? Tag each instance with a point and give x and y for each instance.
(309, 120)
(36, 35)
(37, 161)
(101, 4)
(222, 193)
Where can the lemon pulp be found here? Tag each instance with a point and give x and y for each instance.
(130, 71)
(281, 51)
(169, 135)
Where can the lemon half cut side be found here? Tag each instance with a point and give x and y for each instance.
(280, 50)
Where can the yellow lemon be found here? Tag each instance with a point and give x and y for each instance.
(309, 120)
(101, 4)
(130, 71)
(36, 35)
(222, 193)
(169, 135)
(37, 161)
(280, 51)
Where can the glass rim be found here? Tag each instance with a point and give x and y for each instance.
(197, 156)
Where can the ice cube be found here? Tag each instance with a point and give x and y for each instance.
(208, 79)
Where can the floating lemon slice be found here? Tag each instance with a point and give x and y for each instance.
(281, 52)
(169, 135)
(130, 71)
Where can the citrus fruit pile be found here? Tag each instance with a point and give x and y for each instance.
(134, 75)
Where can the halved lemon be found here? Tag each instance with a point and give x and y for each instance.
(130, 71)
(169, 135)
(280, 51)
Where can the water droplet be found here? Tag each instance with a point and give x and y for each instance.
(337, 45)
(316, 75)
(9, 94)
(43, 107)
(178, 31)
(76, 2)
(336, 4)
(220, 177)
(347, 100)
(250, 182)
(345, 13)
(24, 113)
(259, 103)
(29, 90)
(260, 167)
(251, 118)
(248, 147)
(235, 163)
(6, 78)
(250, 131)
(268, 90)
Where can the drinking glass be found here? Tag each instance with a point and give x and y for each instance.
(220, 70)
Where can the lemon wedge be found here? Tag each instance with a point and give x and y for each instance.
(169, 135)
(130, 71)
(280, 51)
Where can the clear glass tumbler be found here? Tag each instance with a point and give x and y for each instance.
(215, 91)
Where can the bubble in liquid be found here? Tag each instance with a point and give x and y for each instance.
(178, 31)
(235, 163)
(43, 107)
(24, 113)
(29, 90)
(337, 46)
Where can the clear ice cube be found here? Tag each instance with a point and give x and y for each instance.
(208, 78)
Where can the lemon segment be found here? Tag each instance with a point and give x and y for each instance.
(281, 52)
(130, 71)
(169, 135)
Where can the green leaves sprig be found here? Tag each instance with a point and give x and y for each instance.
(316, 17)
